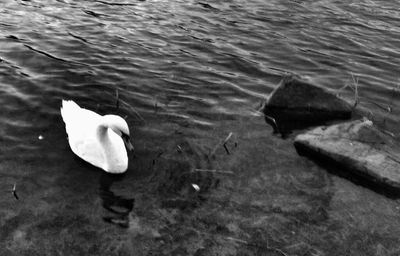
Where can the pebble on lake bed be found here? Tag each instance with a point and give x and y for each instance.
(196, 187)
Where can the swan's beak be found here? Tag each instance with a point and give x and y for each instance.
(127, 142)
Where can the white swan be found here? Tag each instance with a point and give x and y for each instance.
(97, 139)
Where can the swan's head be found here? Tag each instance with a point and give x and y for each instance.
(120, 127)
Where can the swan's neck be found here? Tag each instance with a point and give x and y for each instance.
(102, 133)
(107, 146)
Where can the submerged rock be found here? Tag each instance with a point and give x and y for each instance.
(297, 104)
(359, 148)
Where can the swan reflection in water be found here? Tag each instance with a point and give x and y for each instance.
(118, 207)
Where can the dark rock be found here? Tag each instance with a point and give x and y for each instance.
(297, 104)
(357, 147)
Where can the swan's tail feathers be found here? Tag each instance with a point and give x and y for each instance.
(68, 109)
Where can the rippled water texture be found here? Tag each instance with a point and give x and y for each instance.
(187, 74)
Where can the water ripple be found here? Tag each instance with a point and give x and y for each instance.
(198, 61)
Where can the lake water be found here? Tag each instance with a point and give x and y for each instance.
(188, 73)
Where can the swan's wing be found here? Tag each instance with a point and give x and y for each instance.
(113, 158)
(79, 122)
(80, 125)
(89, 150)
(72, 114)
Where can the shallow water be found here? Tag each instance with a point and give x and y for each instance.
(188, 73)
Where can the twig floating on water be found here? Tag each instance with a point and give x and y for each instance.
(355, 83)
(116, 99)
(196, 187)
(207, 6)
(120, 4)
(213, 171)
(78, 37)
(155, 104)
(44, 53)
(223, 144)
(134, 110)
(228, 137)
(226, 141)
(226, 149)
(273, 121)
(14, 191)
(92, 13)
(158, 156)
(52, 56)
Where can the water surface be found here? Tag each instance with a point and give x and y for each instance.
(188, 73)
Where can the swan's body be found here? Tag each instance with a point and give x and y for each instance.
(97, 139)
